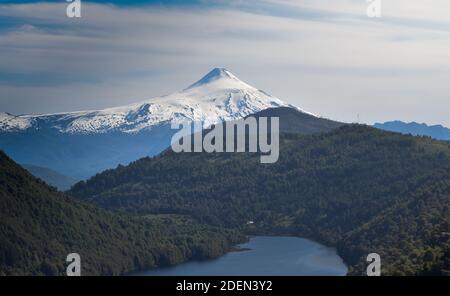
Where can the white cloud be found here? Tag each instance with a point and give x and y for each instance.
(435, 10)
(335, 66)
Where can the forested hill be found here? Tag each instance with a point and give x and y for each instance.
(297, 122)
(39, 227)
(360, 189)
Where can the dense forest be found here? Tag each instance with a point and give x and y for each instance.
(39, 227)
(357, 188)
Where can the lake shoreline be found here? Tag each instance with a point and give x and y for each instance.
(263, 255)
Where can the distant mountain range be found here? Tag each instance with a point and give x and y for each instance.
(81, 144)
(51, 177)
(418, 129)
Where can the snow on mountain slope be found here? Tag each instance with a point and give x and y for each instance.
(10, 122)
(217, 97)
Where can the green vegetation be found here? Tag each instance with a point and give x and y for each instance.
(357, 188)
(40, 226)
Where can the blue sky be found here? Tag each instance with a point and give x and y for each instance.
(128, 3)
(327, 57)
(116, 2)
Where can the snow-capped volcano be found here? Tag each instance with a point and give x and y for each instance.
(81, 144)
(217, 97)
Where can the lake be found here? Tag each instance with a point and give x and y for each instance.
(268, 255)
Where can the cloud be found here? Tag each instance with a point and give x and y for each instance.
(324, 57)
(437, 10)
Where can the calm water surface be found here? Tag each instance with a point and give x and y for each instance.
(269, 255)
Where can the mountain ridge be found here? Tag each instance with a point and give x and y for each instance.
(437, 131)
(218, 96)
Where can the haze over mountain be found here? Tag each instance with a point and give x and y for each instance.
(81, 144)
(50, 177)
(418, 129)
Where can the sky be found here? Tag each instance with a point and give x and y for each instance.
(326, 57)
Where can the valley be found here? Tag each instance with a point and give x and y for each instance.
(40, 227)
(270, 138)
(352, 187)
(356, 188)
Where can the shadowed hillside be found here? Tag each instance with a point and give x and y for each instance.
(296, 122)
(40, 226)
